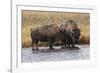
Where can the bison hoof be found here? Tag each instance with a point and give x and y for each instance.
(75, 48)
(63, 47)
(37, 49)
(51, 49)
(68, 47)
(33, 49)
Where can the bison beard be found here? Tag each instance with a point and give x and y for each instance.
(52, 33)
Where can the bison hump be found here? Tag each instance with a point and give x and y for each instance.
(49, 30)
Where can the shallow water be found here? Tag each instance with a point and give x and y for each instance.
(37, 56)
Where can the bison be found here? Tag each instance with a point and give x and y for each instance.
(46, 33)
(52, 33)
(70, 38)
(71, 34)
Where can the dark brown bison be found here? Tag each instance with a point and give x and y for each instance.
(71, 34)
(46, 33)
(51, 33)
(70, 38)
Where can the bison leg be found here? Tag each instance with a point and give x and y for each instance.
(68, 43)
(33, 46)
(65, 44)
(62, 44)
(73, 44)
(51, 45)
(37, 45)
(68, 46)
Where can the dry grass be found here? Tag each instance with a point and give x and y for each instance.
(34, 19)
